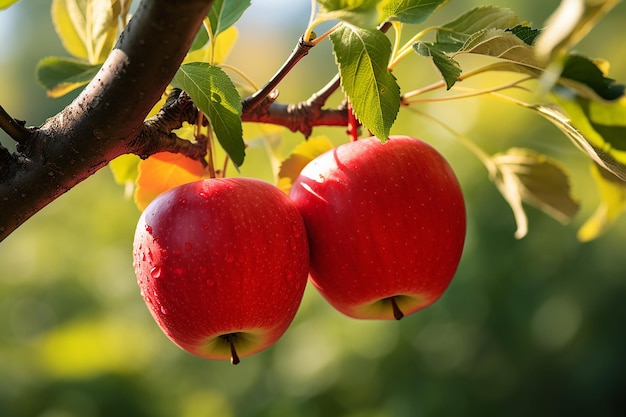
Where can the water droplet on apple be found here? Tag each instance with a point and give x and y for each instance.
(155, 272)
(149, 229)
(296, 231)
(143, 256)
(188, 246)
(210, 282)
(182, 201)
(289, 276)
(230, 258)
(203, 194)
(164, 310)
(179, 270)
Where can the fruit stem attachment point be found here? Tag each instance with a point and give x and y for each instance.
(230, 339)
(397, 313)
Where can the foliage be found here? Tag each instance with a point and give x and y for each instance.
(514, 336)
(567, 83)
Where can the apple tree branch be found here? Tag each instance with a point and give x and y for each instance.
(107, 118)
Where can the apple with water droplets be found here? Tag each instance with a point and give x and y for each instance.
(222, 265)
(386, 225)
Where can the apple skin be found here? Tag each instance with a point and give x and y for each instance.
(386, 225)
(222, 265)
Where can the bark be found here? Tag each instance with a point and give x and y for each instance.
(107, 119)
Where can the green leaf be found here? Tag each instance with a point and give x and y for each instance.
(363, 56)
(361, 13)
(505, 45)
(6, 3)
(225, 13)
(87, 28)
(410, 11)
(124, 168)
(569, 23)
(526, 176)
(571, 117)
(457, 32)
(583, 72)
(612, 205)
(59, 76)
(201, 39)
(448, 67)
(216, 96)
(304, 153)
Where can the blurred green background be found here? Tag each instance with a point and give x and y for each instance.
(528, 327)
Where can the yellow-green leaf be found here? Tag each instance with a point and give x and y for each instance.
(455, 33)
(87, 28)
(526, 176)
(409, 11)
(361, 13)
(612, 205)
(6, 3)
(602, 140)
(304, 153)
(59, 76)
(218, 52)
(125, 171)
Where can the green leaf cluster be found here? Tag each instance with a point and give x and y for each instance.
(578, 96)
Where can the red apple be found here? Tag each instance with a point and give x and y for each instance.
(386, 225)
(222, 265)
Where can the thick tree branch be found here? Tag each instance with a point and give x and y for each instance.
(156, 135)
(105, 120)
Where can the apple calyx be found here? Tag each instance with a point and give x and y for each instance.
(230, 339)
(397, 313)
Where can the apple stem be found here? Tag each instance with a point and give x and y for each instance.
(230, 338)
(353, 124)
(397, 313)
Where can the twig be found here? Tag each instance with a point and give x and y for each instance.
(156, 135)
(300, 51)
(324, 94)
(299, 117)
(15, 129)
